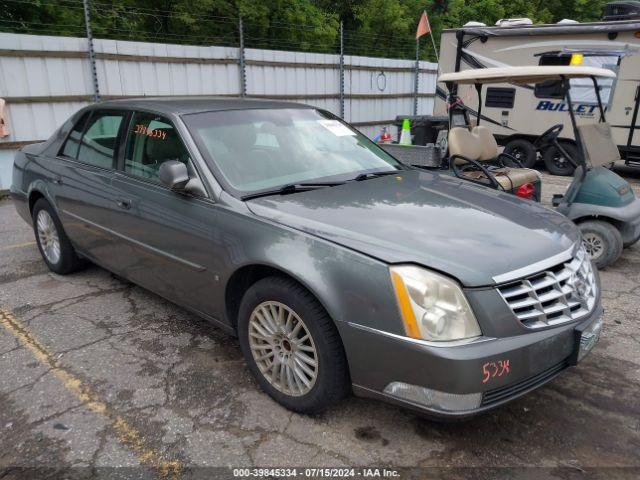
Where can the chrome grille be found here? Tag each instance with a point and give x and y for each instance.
(563, 293)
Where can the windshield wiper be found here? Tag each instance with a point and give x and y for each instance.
(368, 175)
(291, 188)
(305, 186)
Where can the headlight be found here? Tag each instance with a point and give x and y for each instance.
(432, 306)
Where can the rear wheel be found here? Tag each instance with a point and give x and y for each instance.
(556, 162)
(53, 243)
(292, 346)
(522, 150)
(602, 241)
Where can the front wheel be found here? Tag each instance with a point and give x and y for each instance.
(602, 241)
(292, 346)
(556, 162)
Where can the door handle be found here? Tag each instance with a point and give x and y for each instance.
(57, 180)
(124, 203)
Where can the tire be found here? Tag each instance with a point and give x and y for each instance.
(53, 243)
(331, 383)
(602, 241)
(555, 161)
(523, 150)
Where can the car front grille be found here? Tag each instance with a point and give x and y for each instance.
(563, 293)
(497, 395)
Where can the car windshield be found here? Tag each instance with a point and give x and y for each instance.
(264, 149)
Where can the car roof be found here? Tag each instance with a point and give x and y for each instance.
(528, 74)
(195, 104)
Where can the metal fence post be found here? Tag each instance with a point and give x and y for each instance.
(417, 78)
(241, 62)
(92, 53)
(341, 69)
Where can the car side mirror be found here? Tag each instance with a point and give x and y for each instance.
(174, 174)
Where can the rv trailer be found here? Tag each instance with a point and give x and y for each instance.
(513, 112)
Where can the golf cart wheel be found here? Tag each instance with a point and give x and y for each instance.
(556, 162)
(292, 346)
(602, 241)
(522, 150)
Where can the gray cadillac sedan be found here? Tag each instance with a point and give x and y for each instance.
(339, 268)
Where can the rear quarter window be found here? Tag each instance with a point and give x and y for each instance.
(72, 144)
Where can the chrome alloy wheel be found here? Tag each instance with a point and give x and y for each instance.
(48, 237)
(283, 348)
(594, 245)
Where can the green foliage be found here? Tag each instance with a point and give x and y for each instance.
(540, 11)
(372, 27)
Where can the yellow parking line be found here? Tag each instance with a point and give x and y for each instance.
(127, 434)
(17, 245)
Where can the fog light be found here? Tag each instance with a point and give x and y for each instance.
(434, 399)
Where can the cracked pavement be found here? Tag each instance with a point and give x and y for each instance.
(167, 385)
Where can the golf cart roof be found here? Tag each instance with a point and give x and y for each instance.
(523, 74)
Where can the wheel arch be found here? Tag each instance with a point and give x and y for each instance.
(37, 190)
(247, 275)
(595, 217)
(34, 196)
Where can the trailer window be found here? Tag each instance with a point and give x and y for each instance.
(582, 88)
(555, 60)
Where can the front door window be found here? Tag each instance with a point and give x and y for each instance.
(152, 140)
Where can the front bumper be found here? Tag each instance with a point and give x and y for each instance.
(532, 359)
(630, 227)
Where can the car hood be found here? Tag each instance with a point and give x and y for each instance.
(456, 227)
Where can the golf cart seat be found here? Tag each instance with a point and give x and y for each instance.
(480, 145)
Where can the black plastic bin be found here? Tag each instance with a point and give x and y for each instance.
(424, 128)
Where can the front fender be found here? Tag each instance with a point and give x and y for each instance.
(351, 286)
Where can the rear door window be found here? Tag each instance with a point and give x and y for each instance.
(98, 138)
(152, 140)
